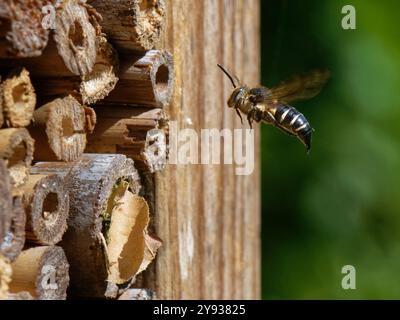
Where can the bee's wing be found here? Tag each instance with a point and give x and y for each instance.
(300, 87)
(260, 95)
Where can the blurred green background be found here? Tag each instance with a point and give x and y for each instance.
(340, 204)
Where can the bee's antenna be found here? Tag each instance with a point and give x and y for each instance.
(237, 81)
(228, 75)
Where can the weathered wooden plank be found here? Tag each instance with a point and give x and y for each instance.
(208, 217)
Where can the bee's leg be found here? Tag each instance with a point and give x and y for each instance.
(240, 116)
(254, 115)
(250, 118)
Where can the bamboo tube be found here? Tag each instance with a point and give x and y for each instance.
(60, 128)
(5, 277)
(90, 88)
(16, 148)
(75, 37)
(107, 223)
(46, 203)
(144, 80)
(41, 271)
(18, 98)
(72, 49)
(138, 133)
(21, 31)
(132, 24)
(13, 241)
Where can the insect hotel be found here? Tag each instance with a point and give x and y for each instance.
(90, 205)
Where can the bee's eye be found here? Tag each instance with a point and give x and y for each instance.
(234, 96)
(237, 95)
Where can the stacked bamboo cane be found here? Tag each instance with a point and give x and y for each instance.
(84, 127)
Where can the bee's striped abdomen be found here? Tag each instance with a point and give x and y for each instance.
(292, 121)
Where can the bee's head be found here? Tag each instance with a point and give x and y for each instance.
(239, 91)
(236, 97)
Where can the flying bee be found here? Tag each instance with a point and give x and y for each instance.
(271, 105)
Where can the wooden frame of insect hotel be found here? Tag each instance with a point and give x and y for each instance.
(91, 205)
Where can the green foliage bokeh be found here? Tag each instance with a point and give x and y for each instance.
(340, 204)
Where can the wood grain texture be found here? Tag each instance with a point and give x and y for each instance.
(132, 24)
(208, 217)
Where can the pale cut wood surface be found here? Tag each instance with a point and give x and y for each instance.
(207, 217)
(39, 265)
